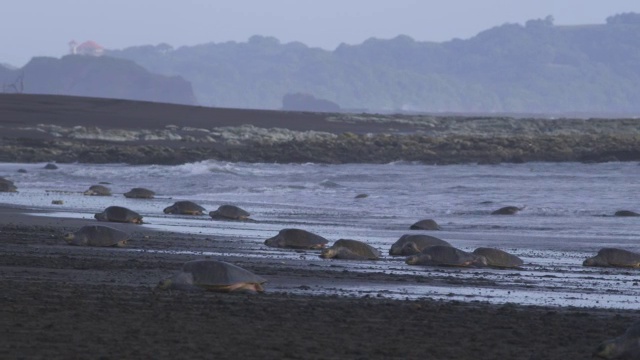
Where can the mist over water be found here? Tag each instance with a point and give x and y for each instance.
(567, 213)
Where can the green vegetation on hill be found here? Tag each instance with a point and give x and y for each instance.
(537, 67)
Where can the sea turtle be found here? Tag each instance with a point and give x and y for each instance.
(426, 224)
(626, 213)
(229, 212)
(51, 166)
(412, 244)
(7, 185)
(139, 193)
(351, 250)
(98, 190)
(507, 210)
(615, 258)
(22, 171)
(97, 235)
(445, 256)
(184, 207)
(361, 196)
(296, 239)
(625, 346)
(213, 275)
(119, 214)
(498, 258)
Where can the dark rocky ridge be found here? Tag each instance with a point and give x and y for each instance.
(103, 76)
(71, 129)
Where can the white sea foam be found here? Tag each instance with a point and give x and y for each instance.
(562, 222)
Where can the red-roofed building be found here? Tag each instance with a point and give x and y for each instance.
(86, 48)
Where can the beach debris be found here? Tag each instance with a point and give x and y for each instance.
(498, 258)
(98, 190)
(97, 235)
(507, 210)
(296, 239)
(412, 244)
(139, 193)
(7, 185)
(612, 257)
(51, 166)
(348, 249)
(22, 171)
(119, 214)
(229, 212)
(57, 202)
(445, 256)
(426, 224)
(626, 213)
(625, 346)
(184, 207)
(213, 275)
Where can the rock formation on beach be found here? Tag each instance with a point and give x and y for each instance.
(39, 128)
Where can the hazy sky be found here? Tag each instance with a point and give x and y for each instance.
(44, 27)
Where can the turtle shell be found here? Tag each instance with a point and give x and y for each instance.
(98, 190)
(351, 249)
(411, 244)
(219, 275)
(184, 207)
(444, 256)
(498, 258)
(625, 346)
(615, 258)
(7, 185)
(229, 212)
(426, 224)
(119, 214)
(97, 235)
(139, 193)
(626, 213)
(507, 210)
(296, 239)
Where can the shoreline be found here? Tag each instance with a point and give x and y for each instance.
(47, 128)
(79, 301)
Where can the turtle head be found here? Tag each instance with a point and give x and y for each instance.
(608, 350)
(412, 260)
(328, 253)
(169, 209)
(480, 261)
(276, 241)
(100, 216)
(593, 261)
(410, 248)
(69, 237)
(164, 284)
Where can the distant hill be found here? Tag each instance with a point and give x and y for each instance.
(537, 67)
(91, 76)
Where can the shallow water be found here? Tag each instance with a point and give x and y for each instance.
(566, 217)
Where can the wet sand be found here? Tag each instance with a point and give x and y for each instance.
(60, 301)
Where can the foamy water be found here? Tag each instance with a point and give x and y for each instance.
(567, 215)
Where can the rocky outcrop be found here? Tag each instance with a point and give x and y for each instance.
(307, 102)
(329, 148)
(70, 129)
(102, 77)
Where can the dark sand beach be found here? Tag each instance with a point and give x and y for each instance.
(61, 301)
